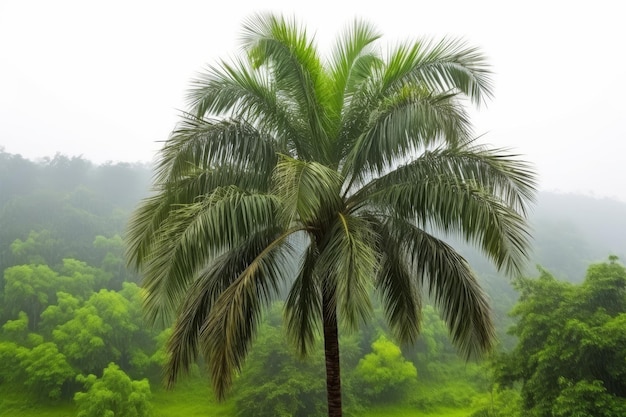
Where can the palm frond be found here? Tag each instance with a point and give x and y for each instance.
(452, 285)
(200, 296)
(309, 191)
(251, 94)
(142, 228)
(406, 124)
(348, 61)
(202, 144)
(303, 307)
(232, 322)
(286, 50)
(149, 216)
(483, 202)
(350, 261)
(497, 171)
(194, 233)
(445, 66)
(401, 298)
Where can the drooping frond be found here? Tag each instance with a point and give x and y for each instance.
(303, 307)
(349, 259)
(194, 233)
(400, 294)
(405, 124)
(451, 192)
(231, 326)
(200, 156)
(149, 216)
(142, 228)
(498, 171)
(200, 296)
(452, 285)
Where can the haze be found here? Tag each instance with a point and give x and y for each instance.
(106, 80)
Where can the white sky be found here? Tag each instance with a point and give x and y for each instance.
(104, 79)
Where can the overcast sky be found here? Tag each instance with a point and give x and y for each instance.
(105, 79)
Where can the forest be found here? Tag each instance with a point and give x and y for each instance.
(73, 340)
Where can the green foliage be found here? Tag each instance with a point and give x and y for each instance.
(29, 288)
(275, 382)
(46, 370)
(10, 353)
(112, 260)
(83, 340)
(587, 398)
(499, 403)
(80, 279)
(107, 327)
(114, 394)
(59, 313)
(38, 248)
(384, 375)
(53, 323)
(572, 338)
(17, 330)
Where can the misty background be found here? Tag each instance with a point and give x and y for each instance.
(107, 80)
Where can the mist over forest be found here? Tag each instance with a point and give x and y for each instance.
(72, 332)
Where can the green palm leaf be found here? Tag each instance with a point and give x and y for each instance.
(211, 282)
(303, 307)
(194, 233)
(454, 193)
(307, 190)
(444, 66)
(400, 294)
(350, 260)
(232, 321)
(452, 285)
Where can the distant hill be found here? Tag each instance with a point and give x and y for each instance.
(571, 231)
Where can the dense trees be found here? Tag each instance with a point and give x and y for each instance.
(67, 201)
(62, 316)
(331, 177)
(572, 344)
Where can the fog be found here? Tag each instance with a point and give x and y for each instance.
(107, 80)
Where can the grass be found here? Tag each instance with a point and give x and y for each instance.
(192, 398)
(15, 403)
(404, 411)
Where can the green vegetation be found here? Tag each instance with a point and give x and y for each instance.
(113, 394)
(384, 375)
(324, 182)
(69, 302)
(572, 344)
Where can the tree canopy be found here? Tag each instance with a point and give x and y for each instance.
(572, 344)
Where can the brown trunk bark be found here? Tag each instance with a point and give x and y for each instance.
(331, 350)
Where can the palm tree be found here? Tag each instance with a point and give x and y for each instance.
(334, 179)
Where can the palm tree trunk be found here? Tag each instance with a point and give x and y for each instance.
(331, 351)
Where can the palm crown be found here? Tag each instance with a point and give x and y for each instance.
(331, 178)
